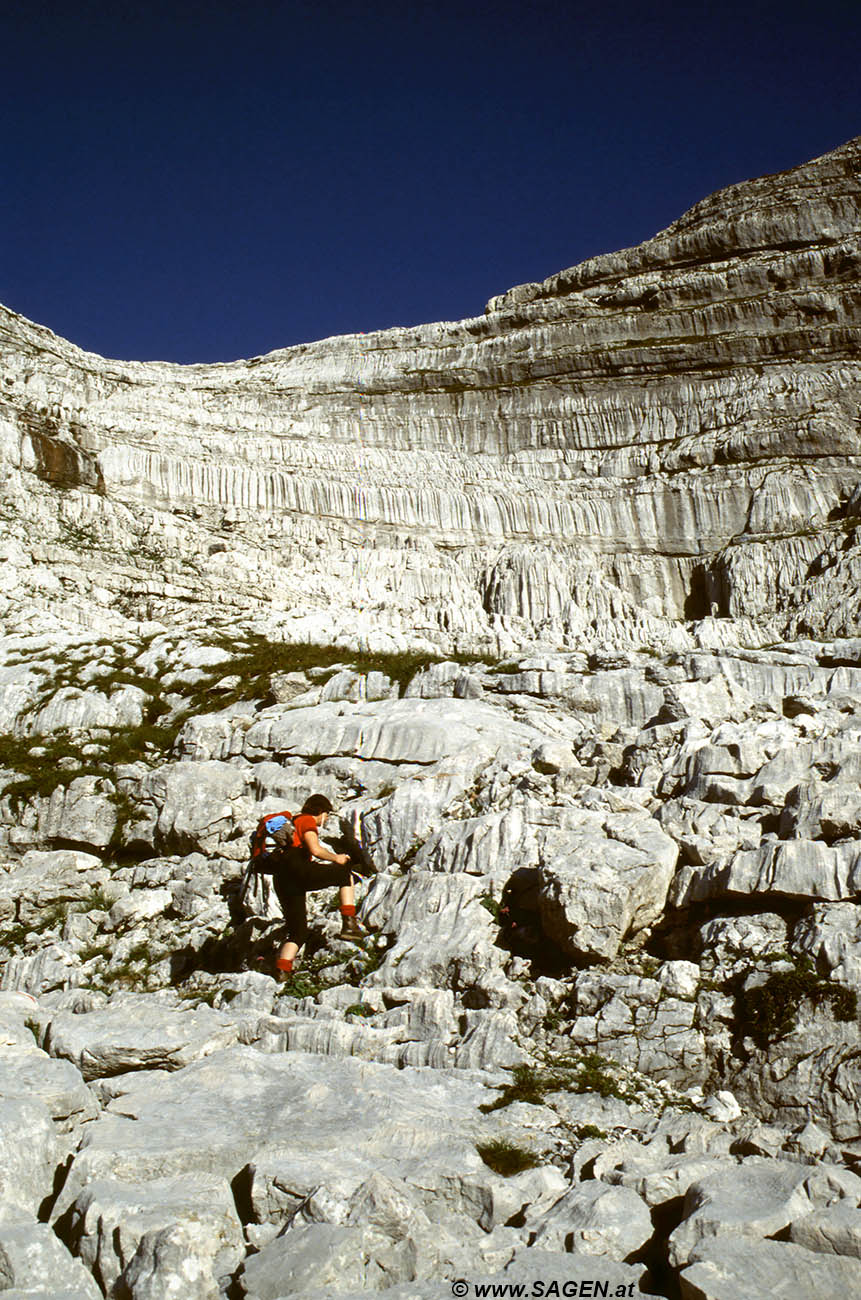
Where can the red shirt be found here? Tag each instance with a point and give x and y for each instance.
(301, 825)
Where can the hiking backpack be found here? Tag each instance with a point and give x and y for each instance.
(274, 826)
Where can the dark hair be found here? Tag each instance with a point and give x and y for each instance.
(317, 804)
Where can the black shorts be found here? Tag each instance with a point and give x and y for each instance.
(297, 874)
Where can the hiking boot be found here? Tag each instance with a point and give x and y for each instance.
(350, 929)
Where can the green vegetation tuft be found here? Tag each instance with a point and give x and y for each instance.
(369, 959)
(769, 1012)
(93, 950)
(58, 759)
(586, 1131)
(492, 904)
(505, 1158)
(96, 901)
(311, 979)
(39, 773)
(530, 1083)
(595, 1077)
(261, 658)
(14, 935)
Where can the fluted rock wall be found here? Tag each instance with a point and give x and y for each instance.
(656, 434)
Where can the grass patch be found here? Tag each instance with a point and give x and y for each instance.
(253, 665)
(769, 1012)
(261, 658)
(492, 905)
(59, 761)
(374, 953)
(505, 1158)
(311, 979)
(360, 1009)
(585, 1131)
(93, 950)
(14, 936)
(38, 773)
(96, 901)
(531, 1083)
(551, 1021)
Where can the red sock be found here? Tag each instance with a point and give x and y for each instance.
(348, 909)
(285, 963)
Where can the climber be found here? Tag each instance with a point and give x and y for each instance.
(295, 873)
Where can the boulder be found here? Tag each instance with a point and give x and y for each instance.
(602, 879)
(159, 1237)
(241, 1108)
(738, 1266)
(84, 812)
(58, 1084)
(832, 1231)
(34, 1262)
(759, 1199)
(137, 1033)
(46, 881)
(787, 868)
(190, 807)
(32, 1155)
(831, 936)
(594, 1219)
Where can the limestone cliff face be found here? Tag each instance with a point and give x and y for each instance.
(654, 436)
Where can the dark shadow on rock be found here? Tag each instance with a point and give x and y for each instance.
(520, 930)
(660, 1279)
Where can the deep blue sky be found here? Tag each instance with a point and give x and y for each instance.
(207, 181)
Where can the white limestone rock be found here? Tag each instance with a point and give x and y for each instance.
(58, 1084)
(54, 966)
(72, 709)
(663, 593)
(139, 905)
(158, 1237)
(83, 812)
(137, 1033)
(240, 1107)
(34, 1262)
(603, 879)
(831, 936)
(671, 1177)
(706, 832)
(47, 880)
(32, 1155)
(633, 1021)
(528, 1266)
(832, 1231)
(760, 1198)
(594, 1219)
(732, 944)
(490, 846)
(679, 978)
(725, 1269)
(442, 932)
(792, 868)
(340, 1259)
(190, 807)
